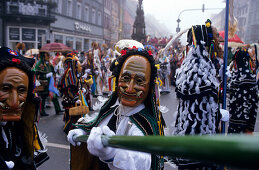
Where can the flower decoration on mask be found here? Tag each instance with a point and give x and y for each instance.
(123, 52)
(16, 60)
(150, 52)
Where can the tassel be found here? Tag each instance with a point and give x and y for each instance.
(114, 83)
(194, 38)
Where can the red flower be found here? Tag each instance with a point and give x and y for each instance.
(134, 47)
(123, 52)
(16, 60)
(149, 52)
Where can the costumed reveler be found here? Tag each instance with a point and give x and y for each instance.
(69, 87)
(97, 69)
(45, 72)
(131, 110)
(164, 73)
(88, 79)
(197, 90)
(243, 103)
(21, 147)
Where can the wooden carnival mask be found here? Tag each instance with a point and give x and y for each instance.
(13, 93)
(134, 79)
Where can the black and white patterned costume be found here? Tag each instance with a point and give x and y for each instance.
(197, 88)
(243, 98)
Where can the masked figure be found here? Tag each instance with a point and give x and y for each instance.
(243, 98)
(45, 71)
(197, 89)
(20, 147)
(69, 87)
(131, 110)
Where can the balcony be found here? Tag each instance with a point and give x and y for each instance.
(28, 12)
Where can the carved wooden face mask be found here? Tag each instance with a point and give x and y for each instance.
(13, 93)
(134, 79)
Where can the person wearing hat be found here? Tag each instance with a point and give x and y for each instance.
(243, 103)
(45, 72)
(20, 145)
(197, 89)
(131, 110)
(69, 87)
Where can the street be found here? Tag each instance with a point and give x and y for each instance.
(58, 147)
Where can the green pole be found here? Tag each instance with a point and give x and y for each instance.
(236, 150)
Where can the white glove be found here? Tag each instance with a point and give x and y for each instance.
(49, 75)
(37, 83)
(95, 146)
(83, 90)
(225, 115)
(85, 76)
(9, 164)
(73, 134)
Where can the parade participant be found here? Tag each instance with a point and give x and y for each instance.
(197, 88)
(164, 73)
(69, 88)
(243, 98)
(88, 79)
(97, 68)
(18, 143)
(131, 110)
(44, 71)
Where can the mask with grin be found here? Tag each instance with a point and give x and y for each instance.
(134, 79)
(13, 93)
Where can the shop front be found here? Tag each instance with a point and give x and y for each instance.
(76, 34)
(32, 37)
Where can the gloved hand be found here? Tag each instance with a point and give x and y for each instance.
(9, 164)
(225, 115)
(95, 146)
(73, 134)
(49, 75)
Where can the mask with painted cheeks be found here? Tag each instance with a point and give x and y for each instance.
(134, 79)
(13, 93)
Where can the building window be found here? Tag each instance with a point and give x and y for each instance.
(86, 44)
(58, 38)
(78, 44)
(99, 18)
(69, 41)
(86, 15)
(41, 37)
(78, 10)
(69, 8)
(93, 16)
(59, 6)
(28, 34)
(14, 34)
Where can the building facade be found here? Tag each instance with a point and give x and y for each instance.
(78, 23)
(25, 21)
(247, 15)
(107, 19)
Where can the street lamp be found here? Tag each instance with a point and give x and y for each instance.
(202, 9)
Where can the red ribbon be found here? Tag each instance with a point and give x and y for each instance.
(15, 60)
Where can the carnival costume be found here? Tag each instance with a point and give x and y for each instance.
(69, 88)
(121, 116)
(88, 79)
(243, 98)
(44, 72)
(20, 144)
(197, 89)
